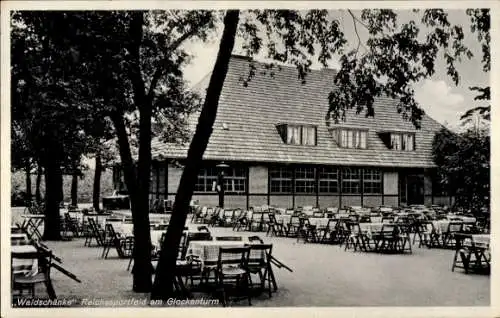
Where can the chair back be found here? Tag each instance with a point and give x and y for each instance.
(198, 236)
(259, 254)
(389, 230)
(203, 228)
(233, 256)
(387, 219)
(318, 214)
(255, 238)
(229, 238)
(455, 227)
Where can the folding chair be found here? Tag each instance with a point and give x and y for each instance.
(404, 242)
(449, 235)
(259, 263)
(95, 233)
(241, 222)
(293, 226)
(232, 273)
(387, 239)
(26, 280)
(274, 227)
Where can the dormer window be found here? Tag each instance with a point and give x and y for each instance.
(402, 141)
(293, 134)
(350, 138)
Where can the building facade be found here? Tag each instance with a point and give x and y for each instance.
(281, 151)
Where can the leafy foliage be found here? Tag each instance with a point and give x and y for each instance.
(464, 167)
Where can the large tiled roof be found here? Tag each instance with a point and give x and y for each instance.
(251, 113)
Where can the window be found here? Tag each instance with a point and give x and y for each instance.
(235, 181)
(293, 135)
(304, 180)
(350, 181)
(281, 180)
(298, 134)
(309, 135)
(396, 141)
(402, 141)
(328, 180)
(408, 142)
(206, 179)
(372, 181)
(351, 138)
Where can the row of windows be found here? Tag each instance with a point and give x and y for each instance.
(330, 180)
(298, 180)
(345, 137)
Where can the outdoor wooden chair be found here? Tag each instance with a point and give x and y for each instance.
(22, 280)
(72, 224)
(256, 222)
(95, 232)
(356, 238)
(448, 237)
(404, 242)
(274, 227)
(387, 239)
(470, 257)
(232, 273)
(241, 222)
(292, 228)
(121, 244)
(215, 217)
(226, 217)
(259, 263)
(306, 231)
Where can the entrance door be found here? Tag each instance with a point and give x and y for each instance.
(415, 189)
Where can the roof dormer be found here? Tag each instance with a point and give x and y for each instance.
(298, 134)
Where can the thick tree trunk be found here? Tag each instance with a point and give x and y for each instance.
(163, 284)
(53, 185)
(38, 195)
(142, 271)
(28, 182)
(97, 182)
(74, 189)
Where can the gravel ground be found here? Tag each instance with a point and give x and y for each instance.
(323, 275)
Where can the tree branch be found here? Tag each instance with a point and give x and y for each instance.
(136, 33)
(172, 47)
(354, 19)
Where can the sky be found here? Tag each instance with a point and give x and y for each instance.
(438, 96)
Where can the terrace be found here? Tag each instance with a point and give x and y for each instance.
(326, 266)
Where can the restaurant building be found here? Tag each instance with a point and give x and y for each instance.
(280, 150)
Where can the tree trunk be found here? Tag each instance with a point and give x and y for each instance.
(28, 182)
(38, 194)
(142, 271)
(53, 185)
(97, 182)
(163, 284)
(74, 188)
